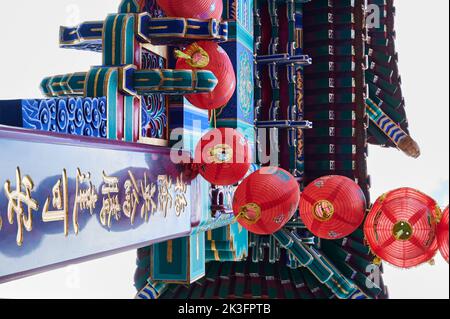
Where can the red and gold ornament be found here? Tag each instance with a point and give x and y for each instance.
(332, 207)
(266, 200)
(401, 228)
(224, 156)
(207, 55)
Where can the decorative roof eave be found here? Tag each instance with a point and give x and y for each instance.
(384, 81)
(386, 129)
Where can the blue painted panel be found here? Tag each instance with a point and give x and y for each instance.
(241, 106)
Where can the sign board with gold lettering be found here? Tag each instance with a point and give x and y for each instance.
(65, 199)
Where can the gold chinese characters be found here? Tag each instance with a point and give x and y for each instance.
(60, 203)
(134, 198)
(148, 191)
(111, 206)
(16, 201)
(85, 198)
(164, 196)
(180, 196)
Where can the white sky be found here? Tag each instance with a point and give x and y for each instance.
(422, 43)
(423, 47)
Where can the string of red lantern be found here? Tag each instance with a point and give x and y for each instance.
(401, 228)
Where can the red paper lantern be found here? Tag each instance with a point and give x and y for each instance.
(204, 55)
(266, 200)
(401, 228)
(194, 9)
(189, 172)
(332, 207)
(443, 235)
(224, 156)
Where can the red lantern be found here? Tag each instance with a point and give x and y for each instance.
(443, 235)
(224, 156)
(204, 55)
(266, 200)
(194, 9)
(401, 228)
(332, 207)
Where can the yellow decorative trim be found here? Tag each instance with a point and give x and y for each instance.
(383, 197)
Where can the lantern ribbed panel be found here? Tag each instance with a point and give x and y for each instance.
(220, 64)
(275, 192)
(443, 238)
(409, 206)
(195, 9)
(346, 203)
(237, 164)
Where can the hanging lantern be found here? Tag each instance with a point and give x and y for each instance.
(332, 207)
(266, 200)
(224, 156)
(443, 235)
(204, 55)
(401, 228)
(192, 9)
